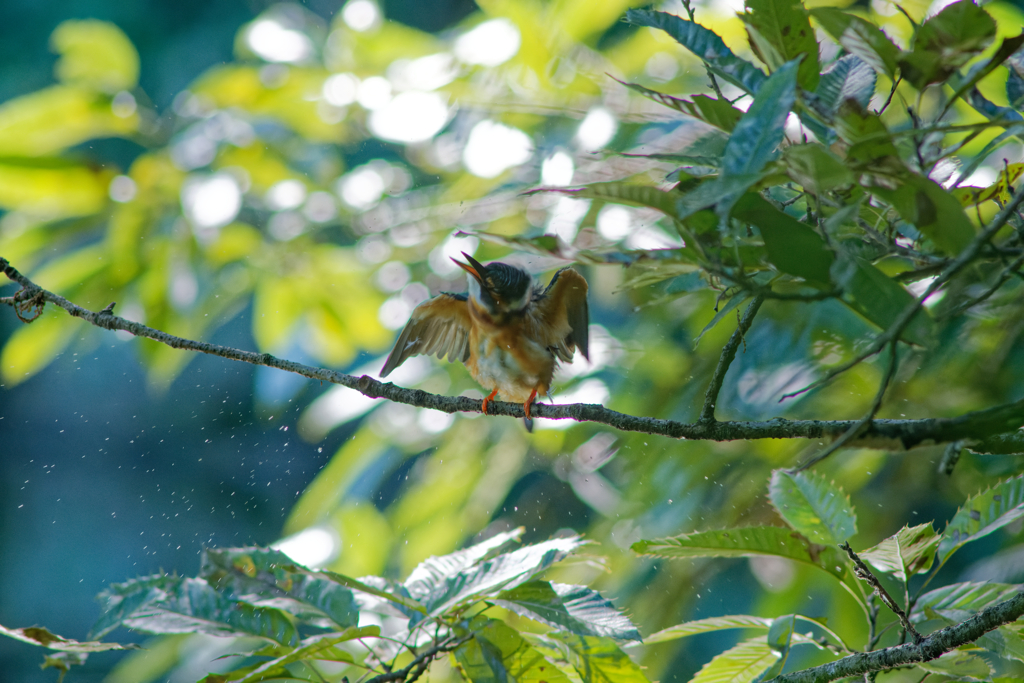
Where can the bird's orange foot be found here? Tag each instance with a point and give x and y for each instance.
(526, 408)
(487, 400)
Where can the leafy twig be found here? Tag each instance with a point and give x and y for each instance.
(864, 574)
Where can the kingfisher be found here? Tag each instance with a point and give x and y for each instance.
(507, 329)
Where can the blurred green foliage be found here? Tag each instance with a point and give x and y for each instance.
(321, 180)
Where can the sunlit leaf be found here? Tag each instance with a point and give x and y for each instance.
(747, 542)
(984, 513)
(715, 112)
(315, 647)
(52, 119)
(979, 71)
(959, 665)
(95, 54)
(691, 628)
(755, 140)
(785, 26)
(31, 347)
(52, 188)
(430, 574)
(849, 78)
(576, 609)
(907, 552)
(741, 663)
(946, 42)
(498, 654)
(780, 637)
(970, 196)
(705, 44)
(859, 37)
(957, 601)
(814, 506)
(598, 660)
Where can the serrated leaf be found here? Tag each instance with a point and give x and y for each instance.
(431, 573)
(503, 572)
(319, 647)
(755, 140)
(577, 609)
(814, 506)
(984, 513)
(849, 78)
(192, 606)
(598, 660)
(960, 600)
(706, 45)
(964, 666)
(122, 599)
(859, 37)
(257, 575)
(691, 628)
(747, 542)
(785, 26)
(714, 112)
(37, 635)
(498, 654)
(907, 552)
(741, 663)
(946, 42)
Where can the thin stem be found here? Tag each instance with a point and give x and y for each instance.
(865, 574)
(707, 414)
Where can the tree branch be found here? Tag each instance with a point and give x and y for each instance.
(864, 574)
(707, 414)
(932, 647)
(991, 430)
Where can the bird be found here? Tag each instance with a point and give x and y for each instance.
(508, 329)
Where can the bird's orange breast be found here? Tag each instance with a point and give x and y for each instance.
(508, 358)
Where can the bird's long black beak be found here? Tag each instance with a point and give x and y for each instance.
(474, 267)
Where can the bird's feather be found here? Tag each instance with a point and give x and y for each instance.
(438, 326)
(562, 315)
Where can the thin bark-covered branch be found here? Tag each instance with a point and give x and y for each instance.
(991, 430)
(931, 647)
(707, 414)
(864, 574)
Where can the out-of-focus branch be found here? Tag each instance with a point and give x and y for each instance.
(994, 428)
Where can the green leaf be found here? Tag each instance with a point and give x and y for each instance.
(1006, 49)
(946, 42)
(503, 572)
(576, 609)
(598, 660)
(815, 168)
(52, 188)
(120, 600)
(849, 78)
(930, 208)
(498, 654)
(691, 628)
(959, 665)
(907, 552)
(1015, 86)
(622, 193)
(720, 314)
(780, 637)
(742, 663)
(252, 574)
(184, 605)
(319, 647)
(959, 601)
(792, 247)
(785, 26)
(31, 347)
(877, 297)
(747, 542)
(984, 513)
(720, 193)
(36, 635)
(711, 110)
(859, 37)
(755, 140)
(706, 45)
(430, 574)
(812, 505)
(867, 136)
(95, 54)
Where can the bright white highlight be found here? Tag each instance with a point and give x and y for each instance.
(441, 257)
(566, 216)
(410, 117)
(491, 43)
(434, 421)
(614, 222)
(424, 74)
(360, 15)
(275, 43)
(211, 201)
(122, 189)
(557, 170)
(597, 129)
(587, 391)
(313, 547)
(287, 194)
(361, 188)
(374, 92)
(340, 89)
(493, 147)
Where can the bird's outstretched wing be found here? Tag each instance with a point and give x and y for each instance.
(562, 315)
(437, 326)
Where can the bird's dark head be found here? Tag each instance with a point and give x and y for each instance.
(498, 288)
